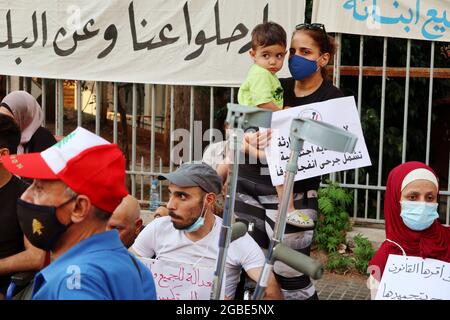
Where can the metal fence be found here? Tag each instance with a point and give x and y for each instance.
(367, 194)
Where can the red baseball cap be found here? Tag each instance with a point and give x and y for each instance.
(87, 163)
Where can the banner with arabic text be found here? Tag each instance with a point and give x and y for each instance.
(191, 42)
(410, 19)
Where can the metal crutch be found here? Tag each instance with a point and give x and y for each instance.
(239, 118)
(326, 136)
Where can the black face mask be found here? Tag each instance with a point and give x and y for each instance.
(39, 223)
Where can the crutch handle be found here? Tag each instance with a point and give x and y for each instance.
(298, 261)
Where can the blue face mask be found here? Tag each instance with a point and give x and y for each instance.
(418, 216)
(198, 223)
(301, 68)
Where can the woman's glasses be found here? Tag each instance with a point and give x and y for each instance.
(315, 26)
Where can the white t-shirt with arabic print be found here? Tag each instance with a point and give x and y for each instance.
(161, 240)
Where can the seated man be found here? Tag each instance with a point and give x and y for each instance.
(16, 252)
(127, 220)
(77, 184)
(190, 234)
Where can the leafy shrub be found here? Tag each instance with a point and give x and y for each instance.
(338, 262)
(362, 252)
(331, 231)
(333, 222)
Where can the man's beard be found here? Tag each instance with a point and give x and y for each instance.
(179, 226)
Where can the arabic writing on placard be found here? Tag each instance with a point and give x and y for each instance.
(179, 281)
(414, 278)
(429, 16)
(166, 36)
(314, 160)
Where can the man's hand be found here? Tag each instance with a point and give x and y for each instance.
(259, 139)
(256, 142)
(273, 291)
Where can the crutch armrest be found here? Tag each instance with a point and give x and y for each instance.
(298, 261)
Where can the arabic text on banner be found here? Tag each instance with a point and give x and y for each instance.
(195, 42)
(410, 19)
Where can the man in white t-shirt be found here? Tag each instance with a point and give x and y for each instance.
(190, 234)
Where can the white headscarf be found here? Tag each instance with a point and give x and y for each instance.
(419, 174)
(27, 113)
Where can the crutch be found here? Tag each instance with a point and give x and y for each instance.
(326, 136)
(239, 118)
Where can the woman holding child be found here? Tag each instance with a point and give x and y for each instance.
(310, 51)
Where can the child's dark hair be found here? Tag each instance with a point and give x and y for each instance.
(9, 133)
(268, 34)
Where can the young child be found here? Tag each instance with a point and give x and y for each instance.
(262, 89)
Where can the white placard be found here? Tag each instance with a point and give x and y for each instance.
(195, 42)
(414, 278)
(411, 19)
(180, 281)
(313, 160)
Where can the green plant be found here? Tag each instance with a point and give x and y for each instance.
(338, 262)
(362, 252)
(333, 222)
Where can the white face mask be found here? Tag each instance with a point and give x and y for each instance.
(418, 215)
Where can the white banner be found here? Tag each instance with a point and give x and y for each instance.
(180, 281)
(313, 160)
(411, 19)
(192, 42)
(414, 278)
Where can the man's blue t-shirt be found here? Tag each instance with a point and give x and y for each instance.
(99, 267)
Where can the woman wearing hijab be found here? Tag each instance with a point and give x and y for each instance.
(411, 218)
(28, 114)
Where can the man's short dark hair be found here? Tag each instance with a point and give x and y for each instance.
(268, 34)
(9, 133)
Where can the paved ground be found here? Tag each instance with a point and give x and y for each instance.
(350, 286)
(342, 287)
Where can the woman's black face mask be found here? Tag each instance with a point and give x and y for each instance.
(40, 224)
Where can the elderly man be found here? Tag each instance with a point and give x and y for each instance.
(190, 234)
(127, 220)
(77, 184)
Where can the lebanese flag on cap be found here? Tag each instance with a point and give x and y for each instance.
(47, 164)
(85, 162)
